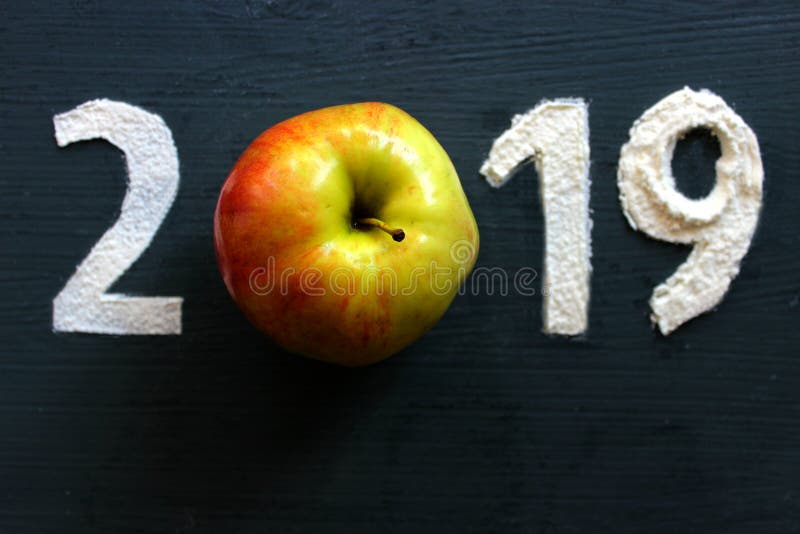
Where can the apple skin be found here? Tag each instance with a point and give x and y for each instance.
(286, 213)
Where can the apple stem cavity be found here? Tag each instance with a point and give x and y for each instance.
(396, 233)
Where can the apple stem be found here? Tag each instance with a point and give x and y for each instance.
(396, 233)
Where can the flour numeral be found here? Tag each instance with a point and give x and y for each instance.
(152, 161)
(556, 135)
(720, 226)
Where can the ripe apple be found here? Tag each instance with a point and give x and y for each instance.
(344, 233)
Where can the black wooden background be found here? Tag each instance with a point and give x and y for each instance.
(485, 424)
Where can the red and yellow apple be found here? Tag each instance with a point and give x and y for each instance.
(344, 233)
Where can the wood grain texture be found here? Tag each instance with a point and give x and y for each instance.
(483, 425)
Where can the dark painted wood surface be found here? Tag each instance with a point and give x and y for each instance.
(485, 424)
